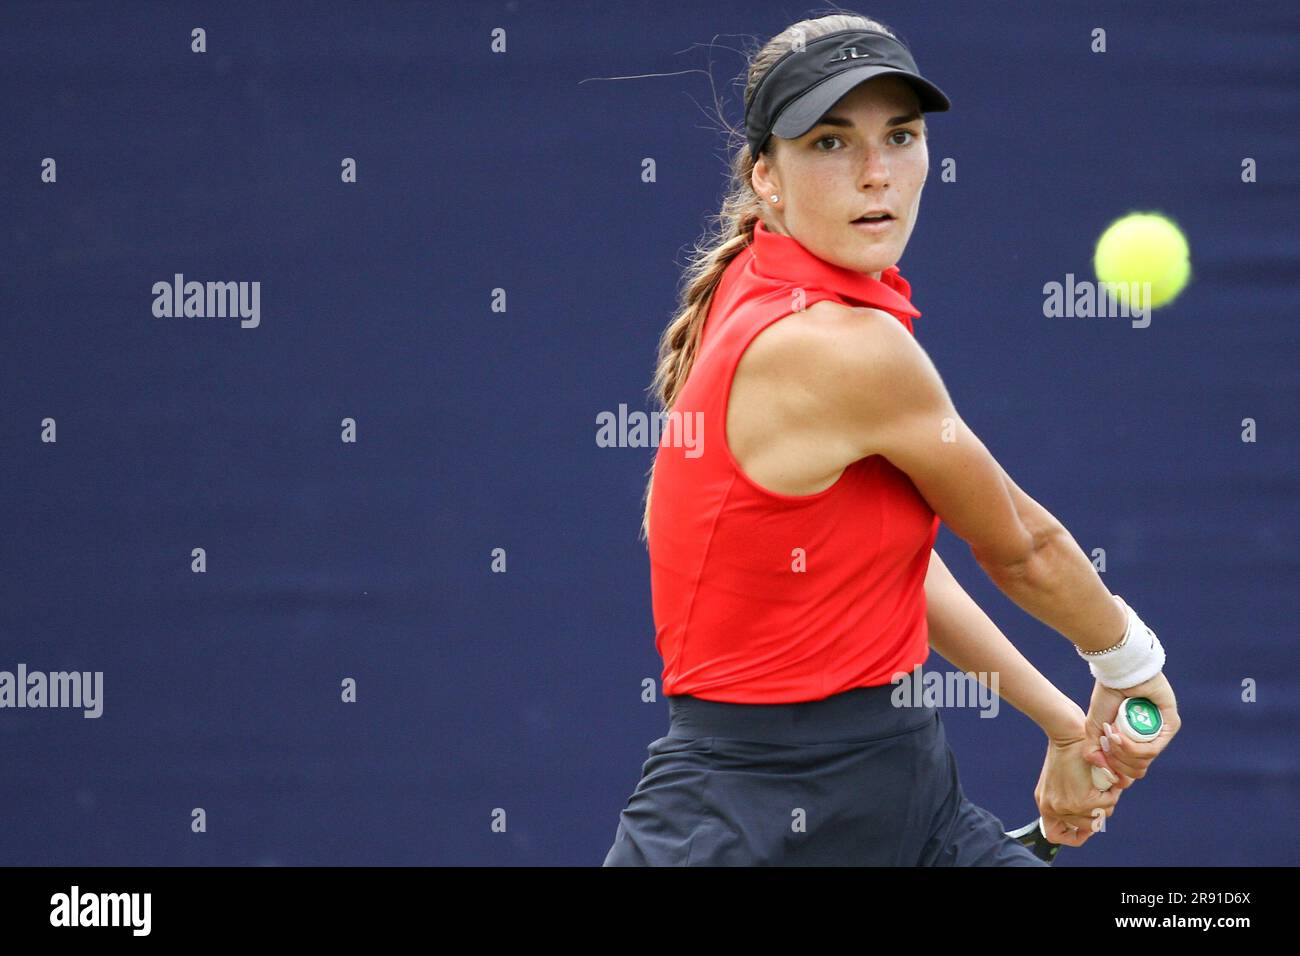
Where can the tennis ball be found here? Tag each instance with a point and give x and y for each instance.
(1143, 247)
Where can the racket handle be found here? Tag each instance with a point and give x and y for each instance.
(1032, 836)
(1138, 719)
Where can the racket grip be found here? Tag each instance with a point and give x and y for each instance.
(1138, 719)
(1032, 836)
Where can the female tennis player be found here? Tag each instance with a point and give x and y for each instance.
(792, 570)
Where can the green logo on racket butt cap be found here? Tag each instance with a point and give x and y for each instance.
(1139, 719)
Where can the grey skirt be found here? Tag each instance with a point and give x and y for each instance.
(850, 780)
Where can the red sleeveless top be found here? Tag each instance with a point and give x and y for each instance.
(761, 597)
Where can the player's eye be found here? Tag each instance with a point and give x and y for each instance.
(817, 143)
(906, 132)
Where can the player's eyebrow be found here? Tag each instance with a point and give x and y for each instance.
(831, 120)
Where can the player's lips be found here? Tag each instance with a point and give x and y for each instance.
(877, 220)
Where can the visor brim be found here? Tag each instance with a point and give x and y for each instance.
(802, 114)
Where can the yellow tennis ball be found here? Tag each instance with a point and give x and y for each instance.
(1143, 247)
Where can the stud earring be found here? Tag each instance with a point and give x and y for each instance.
(775, 197)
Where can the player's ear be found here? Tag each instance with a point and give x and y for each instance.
(764, 178)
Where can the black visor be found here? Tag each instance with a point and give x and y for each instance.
(804, 84)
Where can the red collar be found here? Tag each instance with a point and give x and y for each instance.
(782, 257)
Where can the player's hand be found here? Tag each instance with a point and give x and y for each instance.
(1071, 807)
(1129, 759)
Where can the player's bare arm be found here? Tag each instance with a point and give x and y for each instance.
(881, 394)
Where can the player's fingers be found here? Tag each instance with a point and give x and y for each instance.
(1058, 831)
(1119, 780)
(1094, 725)
(1130, 769)
(1082, 815)
(1087, 818)
(1130, 757)
(1097, 799)
(1111, 797)
(1066, 833)
(1084, 822)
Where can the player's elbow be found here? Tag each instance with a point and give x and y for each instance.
(1023, 538)
(1006, 554)
(1029, 556)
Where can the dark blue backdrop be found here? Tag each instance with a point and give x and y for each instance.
(476, 428)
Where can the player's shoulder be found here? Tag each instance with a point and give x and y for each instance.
(829, 337)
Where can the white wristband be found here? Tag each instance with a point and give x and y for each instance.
(1136, 658)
